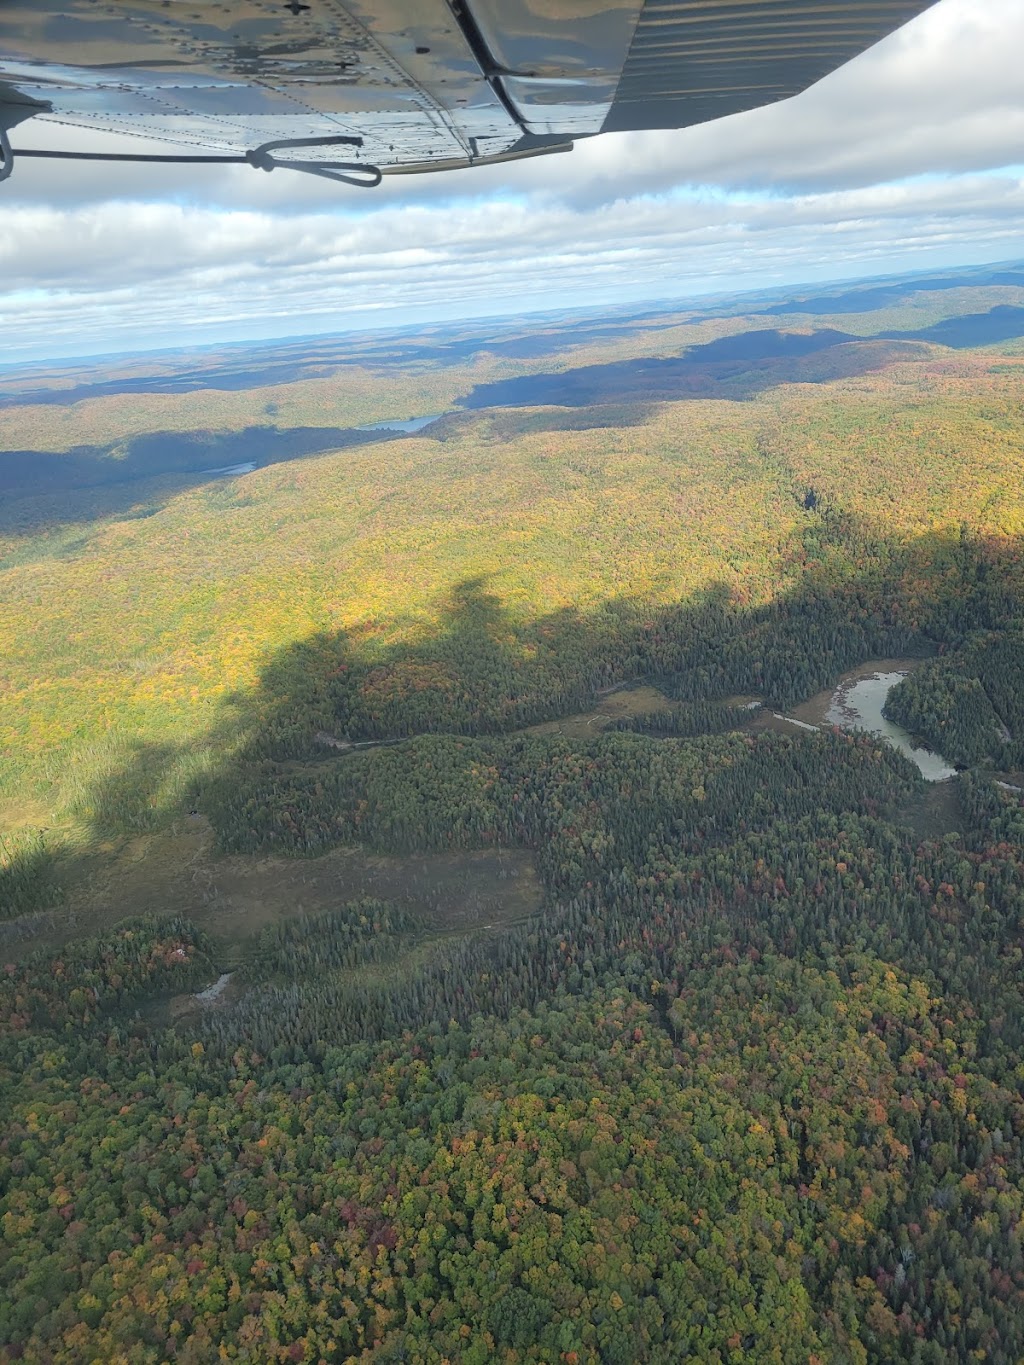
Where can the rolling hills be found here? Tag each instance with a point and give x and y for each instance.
(576, 1011)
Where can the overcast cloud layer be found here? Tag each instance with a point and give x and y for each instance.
(905, 159)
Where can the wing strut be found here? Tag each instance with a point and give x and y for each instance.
(360, 174)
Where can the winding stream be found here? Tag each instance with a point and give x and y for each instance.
(856, 704)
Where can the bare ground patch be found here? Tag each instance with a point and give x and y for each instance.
(21, 813)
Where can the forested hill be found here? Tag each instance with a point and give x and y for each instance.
(421, 941)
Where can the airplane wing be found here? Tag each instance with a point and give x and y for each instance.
(412, 85)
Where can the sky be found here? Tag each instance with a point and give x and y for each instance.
(908, 158)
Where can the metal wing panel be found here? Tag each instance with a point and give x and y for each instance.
(559, 61)
(228, 76)
(425, 83)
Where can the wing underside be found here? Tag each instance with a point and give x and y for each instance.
(424, 84)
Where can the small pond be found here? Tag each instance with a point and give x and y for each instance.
(856, 703)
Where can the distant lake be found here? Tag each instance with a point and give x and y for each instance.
(228, 470)
(399, 424)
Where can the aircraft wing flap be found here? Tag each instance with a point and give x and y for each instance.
(691, 61)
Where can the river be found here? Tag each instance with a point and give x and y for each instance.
(856, 704)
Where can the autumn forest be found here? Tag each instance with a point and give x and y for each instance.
(451, 908)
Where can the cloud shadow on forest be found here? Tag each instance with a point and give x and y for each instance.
(241, 367)
(136, 477)
(746, 364)
(868, 298)
(732, 367)
(472, 676)
(235, 369)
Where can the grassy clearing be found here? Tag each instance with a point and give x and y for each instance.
(174, 871)
(631, 699)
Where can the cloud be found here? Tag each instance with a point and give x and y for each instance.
(437, 259)
(905, 157)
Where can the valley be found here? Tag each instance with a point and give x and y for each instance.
(511, 845)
